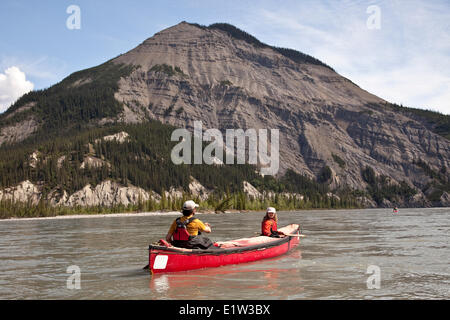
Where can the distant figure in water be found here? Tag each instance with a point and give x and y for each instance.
(269, 224)
(395, 210)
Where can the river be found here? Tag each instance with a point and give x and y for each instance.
(347, 254)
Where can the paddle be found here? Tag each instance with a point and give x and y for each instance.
(295, 235)
(287, 234)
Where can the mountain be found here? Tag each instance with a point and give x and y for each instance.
(332, 132)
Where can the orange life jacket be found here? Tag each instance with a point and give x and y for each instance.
(269, 227)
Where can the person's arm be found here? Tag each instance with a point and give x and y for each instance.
(170, 232)
(169, 237)
(274, 230)
(203, 227)
(266, 228)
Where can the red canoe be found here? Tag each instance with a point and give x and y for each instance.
(172, 259)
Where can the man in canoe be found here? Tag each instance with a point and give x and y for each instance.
(185, 231)
(269, 224)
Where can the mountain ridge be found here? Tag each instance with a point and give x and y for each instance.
(331, 129)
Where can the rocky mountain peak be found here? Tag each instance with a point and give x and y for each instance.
(217, 75)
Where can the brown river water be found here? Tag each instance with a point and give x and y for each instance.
(337, 259)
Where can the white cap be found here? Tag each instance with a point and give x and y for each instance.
(189, 205)
(271, 209)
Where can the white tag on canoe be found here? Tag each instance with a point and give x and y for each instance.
(160, 262)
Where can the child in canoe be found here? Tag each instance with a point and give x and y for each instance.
(269, 224)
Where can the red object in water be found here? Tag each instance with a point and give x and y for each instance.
(164, 259)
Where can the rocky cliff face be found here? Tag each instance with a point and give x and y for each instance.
(23, 192)
(188, 73)
(107, 193)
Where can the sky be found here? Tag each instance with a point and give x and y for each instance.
(397, 50)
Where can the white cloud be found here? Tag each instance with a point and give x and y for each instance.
(41, 68)
(13, 84)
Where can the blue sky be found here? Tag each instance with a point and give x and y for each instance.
(406, 60)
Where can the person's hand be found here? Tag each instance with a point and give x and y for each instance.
(207, 227)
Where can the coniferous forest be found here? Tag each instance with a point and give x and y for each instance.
(144, 161)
